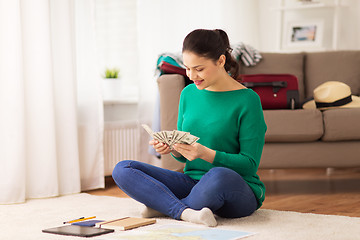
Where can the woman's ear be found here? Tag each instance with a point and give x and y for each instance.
(221, 61)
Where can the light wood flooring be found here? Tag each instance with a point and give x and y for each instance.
(322, 191)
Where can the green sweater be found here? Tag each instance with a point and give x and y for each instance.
(232, 124)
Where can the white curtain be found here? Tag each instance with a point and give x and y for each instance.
(90, 103)
(42, 153)
(163, 25)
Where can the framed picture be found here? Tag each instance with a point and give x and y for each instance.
(303, 34)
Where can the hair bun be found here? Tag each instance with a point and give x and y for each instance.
(224, 37)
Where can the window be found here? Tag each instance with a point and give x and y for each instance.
(116, 37)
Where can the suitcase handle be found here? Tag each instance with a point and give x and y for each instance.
(277, 85)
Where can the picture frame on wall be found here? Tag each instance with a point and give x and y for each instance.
(303, 35)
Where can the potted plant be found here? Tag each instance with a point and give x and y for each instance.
(112, 73)
(111, 84)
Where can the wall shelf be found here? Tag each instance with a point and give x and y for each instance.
(310, 6)
(121, 101)
(305, 6)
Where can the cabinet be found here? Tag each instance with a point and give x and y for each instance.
(325, 14)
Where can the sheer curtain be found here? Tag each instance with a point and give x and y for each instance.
(90, 103)
(50, 142)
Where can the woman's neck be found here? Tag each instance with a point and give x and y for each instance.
(225, 83)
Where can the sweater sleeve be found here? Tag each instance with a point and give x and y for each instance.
(252, 130)
(246, 162)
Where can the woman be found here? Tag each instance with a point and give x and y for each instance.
(220, 171)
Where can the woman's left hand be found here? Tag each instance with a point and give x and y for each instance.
(194, 151)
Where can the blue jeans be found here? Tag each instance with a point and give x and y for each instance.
(221, 189)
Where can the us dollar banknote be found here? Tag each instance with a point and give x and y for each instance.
(171, 137)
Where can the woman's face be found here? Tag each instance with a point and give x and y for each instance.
(204, 72)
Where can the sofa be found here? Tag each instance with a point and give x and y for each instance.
(299, 138)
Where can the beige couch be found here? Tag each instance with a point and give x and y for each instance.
(295, 138)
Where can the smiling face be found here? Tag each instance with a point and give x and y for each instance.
(204, 72)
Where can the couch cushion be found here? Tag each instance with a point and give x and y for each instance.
(340, 66)
(278, 63)
(293, 125)
(341, 124)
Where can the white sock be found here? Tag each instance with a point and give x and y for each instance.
(149, 212)
(204, 216)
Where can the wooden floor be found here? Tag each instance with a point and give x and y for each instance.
(323, 191)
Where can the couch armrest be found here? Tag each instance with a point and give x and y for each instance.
(170, 87)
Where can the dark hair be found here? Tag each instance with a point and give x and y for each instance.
(212, 44)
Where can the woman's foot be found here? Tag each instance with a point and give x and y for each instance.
(204, 216)
(149, 212)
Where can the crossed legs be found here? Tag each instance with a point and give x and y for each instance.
(221, 191)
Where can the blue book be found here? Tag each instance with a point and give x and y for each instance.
(88, 223)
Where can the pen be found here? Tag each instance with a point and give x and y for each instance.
(80, 219)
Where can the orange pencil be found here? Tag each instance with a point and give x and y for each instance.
(80, 219)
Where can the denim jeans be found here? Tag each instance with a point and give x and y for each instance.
(221, 189)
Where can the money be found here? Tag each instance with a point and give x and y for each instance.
(171, 137)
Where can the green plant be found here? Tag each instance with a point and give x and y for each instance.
(112, 73)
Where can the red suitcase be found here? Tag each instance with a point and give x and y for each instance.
(171, 69)
(276, 91)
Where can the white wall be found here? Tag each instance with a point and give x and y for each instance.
(357, 9)
(350, 28)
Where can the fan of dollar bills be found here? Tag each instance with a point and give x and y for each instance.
(171, 137)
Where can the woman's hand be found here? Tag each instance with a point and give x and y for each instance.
(194, 151)
(160, 147)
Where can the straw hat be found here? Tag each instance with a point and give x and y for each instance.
(333, 94)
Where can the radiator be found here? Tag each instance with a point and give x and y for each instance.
(121, 142)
